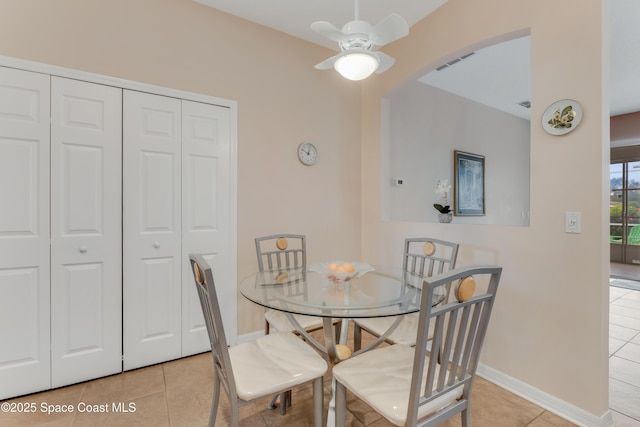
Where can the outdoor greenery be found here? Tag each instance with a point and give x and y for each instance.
(615, 207)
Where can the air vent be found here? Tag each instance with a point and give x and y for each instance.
(525, 104)
(450, 63)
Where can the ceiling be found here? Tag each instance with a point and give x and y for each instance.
(500, 73)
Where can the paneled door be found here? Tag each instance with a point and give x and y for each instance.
(152, 229)
(25, 364)
(86, 231)
(206, 197)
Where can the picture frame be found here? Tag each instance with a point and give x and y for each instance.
(468, 184)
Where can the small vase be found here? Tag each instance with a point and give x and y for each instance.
(445, 217)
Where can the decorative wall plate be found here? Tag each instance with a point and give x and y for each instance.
(562, 117)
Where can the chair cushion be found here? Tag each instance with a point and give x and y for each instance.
(382, 379)
(278, 320)
(273, 363)
(405, 333)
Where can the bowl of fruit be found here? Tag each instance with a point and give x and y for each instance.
(341, 271)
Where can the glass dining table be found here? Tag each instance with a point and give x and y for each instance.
(313, 293)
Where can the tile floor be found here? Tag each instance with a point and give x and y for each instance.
(624, 356)
(178, 393)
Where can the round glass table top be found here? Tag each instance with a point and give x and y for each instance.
(301, 291)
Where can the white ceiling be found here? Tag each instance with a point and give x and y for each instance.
(500, 73)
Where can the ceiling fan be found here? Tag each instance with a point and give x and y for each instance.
(357, 60)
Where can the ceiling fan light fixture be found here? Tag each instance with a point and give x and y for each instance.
(356, 66)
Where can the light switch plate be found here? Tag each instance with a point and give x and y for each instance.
(573, 222)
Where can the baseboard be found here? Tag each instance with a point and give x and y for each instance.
(545, 400)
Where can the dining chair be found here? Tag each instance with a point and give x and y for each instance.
(280, 252)
(426, 385)
(424, 256)
(268, 365)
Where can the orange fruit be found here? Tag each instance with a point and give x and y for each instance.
(348, 267)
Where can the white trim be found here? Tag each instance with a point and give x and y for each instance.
(54, 70)
(551, 403)
(233, 209)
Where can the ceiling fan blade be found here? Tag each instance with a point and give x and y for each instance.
(327, 63)
(391, 28)
(328, 30)
(384, 60)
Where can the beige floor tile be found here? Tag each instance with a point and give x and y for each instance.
(45, 408)
(615, 293)
(622, 333)
(624, 398)
(633, 295)
(37, 417)
(187, 370)
(125, 387)
(615, 345)
(146, 411)
(621, 420)
(626, 302)
(627, 322)
(630, 352)
(190, 404)
(548, 419)
(625, 310)
(494, 406)
(624, 370)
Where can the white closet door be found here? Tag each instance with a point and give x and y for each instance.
(86, 231)
(152, 229)
(24, 233)
(205, 217)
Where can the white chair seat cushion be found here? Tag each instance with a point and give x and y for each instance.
(278, 320)
(382, 379)
(273, 363)
(405, 333)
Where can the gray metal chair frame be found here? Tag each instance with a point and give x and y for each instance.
(277, 259)
(416, 261)
(273, 258)
(460, 329)
(224, 376)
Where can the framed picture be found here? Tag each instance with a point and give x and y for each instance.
(468, 183)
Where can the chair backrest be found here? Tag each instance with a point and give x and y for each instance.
(281, 251)
(203, 277)
(460, 328)
(427, 256)
(634, 235)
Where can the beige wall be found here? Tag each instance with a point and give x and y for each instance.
(550, 322)
(282, 100)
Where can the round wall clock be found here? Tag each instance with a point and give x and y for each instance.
(562, 117)
(307, 153)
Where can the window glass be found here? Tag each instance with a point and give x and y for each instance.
(633, 175)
